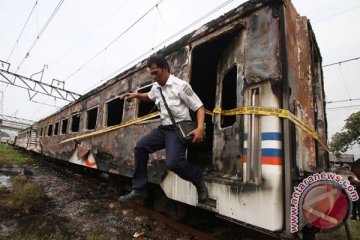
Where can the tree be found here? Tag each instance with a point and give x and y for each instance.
(349, 136)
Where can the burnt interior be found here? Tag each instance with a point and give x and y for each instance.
(75, 123)
(64, 126)
(114, 111)
(228, 96)
(56, 130)
(204, 70)
(50, 128)
(91, 118)
(146, 108)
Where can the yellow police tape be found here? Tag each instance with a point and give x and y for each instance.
(270, 111)
(267, 111)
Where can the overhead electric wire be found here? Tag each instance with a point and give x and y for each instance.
(344, 107)
(22, 30)
(346, 100)
(41, 32)
(161, 43)
(336, 14)
(344, 61)
(113, 41)
(89, 33)
(343, 80)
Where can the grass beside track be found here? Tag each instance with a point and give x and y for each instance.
(10, 155)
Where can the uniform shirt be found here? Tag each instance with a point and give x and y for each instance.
(179, 97)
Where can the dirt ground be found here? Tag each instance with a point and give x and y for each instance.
(74, 211)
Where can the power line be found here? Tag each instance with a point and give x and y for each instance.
(344, 61)
(22, 30)
(344, 107)
(113, 41)
(343, 80)
(336, 14)
(41, 32)
(161, 43)
(89, 33)
(340, 101)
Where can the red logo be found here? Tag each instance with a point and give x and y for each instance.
(325, 206)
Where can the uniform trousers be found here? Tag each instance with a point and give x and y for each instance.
(160, 138)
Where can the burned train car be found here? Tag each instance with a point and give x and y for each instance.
(28, 138)
(261, 55)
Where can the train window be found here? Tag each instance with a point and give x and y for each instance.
(64, 124)
(75, 122)
(228, 96)
(56, 129)
(145, 108)
(114, 110)
(50, 129)
(91, 116)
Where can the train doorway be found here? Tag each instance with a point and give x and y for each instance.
(203, 79)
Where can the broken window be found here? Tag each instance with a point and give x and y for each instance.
(64, 124)
(228, 96)
(50, 129)
(56, 130)
(114, 109)
(41, 131)
(75, 122)
(91, 116)
(145, 108)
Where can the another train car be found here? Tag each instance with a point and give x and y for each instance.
(28, 139)
(258, 60)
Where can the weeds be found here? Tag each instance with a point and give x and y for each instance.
(26, 196)
(10, 155)
(95, 236)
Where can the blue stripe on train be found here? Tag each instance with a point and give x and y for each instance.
(267, 136)
(271, 152)
(271, 136)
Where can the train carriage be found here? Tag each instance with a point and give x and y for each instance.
(260, 56)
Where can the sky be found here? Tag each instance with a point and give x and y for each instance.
(87, 42)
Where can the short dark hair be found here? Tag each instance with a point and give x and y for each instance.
(159, 60)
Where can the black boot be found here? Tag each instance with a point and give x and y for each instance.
(202, 192)
(135, 194)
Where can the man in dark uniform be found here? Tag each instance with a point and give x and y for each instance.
(355, 168)
(180, 98)
(356, 204)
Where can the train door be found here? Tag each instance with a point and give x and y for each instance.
(214, 77)
(228, 130)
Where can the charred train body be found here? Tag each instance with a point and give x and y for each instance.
(261, 54)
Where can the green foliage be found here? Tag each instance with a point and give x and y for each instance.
(95, 236)
(350, 135)
(10, 155)
(26, 196)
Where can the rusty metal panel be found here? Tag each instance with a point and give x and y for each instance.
(262, 47)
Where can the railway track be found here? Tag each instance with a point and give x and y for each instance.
(199, 223)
